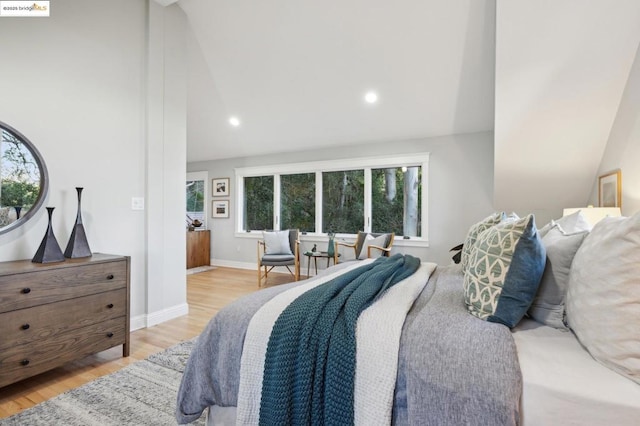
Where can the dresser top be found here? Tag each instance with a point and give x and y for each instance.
(22, 266)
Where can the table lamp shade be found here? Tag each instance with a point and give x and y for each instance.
(594, 214)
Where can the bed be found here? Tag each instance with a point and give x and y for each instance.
(451, 368)
(564, 385)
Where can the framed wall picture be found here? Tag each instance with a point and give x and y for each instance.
(220, 208)
(610, 189)
(220, 187)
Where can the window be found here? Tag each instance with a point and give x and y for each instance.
(196, 194)
(343, 201)
(298, 202)
(341, 196)
(395, 200)
(258, 203)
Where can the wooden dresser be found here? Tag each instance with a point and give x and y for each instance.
(51, 314)
(198, 248)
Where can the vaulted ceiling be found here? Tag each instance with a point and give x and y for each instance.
(295, 73)
(546, 76)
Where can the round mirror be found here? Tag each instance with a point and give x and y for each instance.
(23, 179)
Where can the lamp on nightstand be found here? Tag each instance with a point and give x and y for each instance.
(594, 215)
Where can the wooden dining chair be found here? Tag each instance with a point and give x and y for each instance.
(368, 245)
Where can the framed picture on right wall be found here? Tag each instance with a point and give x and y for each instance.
(610, 189)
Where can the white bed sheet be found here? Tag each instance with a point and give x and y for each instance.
(564, 385)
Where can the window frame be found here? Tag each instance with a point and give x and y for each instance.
(202, 176)
(361, 163)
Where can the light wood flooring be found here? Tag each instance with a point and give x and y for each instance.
(207, 293)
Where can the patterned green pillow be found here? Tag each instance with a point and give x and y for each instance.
(475, 230)
(504, 271)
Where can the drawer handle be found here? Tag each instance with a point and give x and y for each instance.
(110, 276)
(24, 362)
(25, 326)
(110, 305)
(109, 335)
(26, 290)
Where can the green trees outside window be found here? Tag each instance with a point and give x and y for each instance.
(343, 201)
(377, 194)
(396, 200)
(258, 203)
(195, 199)
(298, 202)
(19, 173)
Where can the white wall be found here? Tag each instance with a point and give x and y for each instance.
(460, 191)
(561, 68)
(623, 148)
(75, 85)
(166, 170)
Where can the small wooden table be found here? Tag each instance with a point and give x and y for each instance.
(315, 255)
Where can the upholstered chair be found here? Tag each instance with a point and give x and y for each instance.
(278, 248)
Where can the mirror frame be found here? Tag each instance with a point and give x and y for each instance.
(44, 180)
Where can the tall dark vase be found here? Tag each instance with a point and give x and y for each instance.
(78, 246)
(49, 250)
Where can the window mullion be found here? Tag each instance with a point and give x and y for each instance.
(276, 201)
(424, 228)
(318, 202)
(240, 203)
(367, 199)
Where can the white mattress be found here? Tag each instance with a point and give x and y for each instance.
(564, 385)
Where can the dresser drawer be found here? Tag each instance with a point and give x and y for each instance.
(39, 287)
(40, 322)
(19, 362)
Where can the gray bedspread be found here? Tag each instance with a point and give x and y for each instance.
(454, 369)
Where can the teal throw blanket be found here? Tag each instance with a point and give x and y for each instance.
(310, 362)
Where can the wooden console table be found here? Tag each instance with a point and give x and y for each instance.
(52, 314)
(198, 248)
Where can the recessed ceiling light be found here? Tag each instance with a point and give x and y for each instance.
(234, 121)
(371, 97)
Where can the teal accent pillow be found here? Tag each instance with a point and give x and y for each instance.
(504, 271)
(475, 230)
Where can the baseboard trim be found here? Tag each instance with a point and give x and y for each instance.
(233, 264)
(138, 322)
(155, 318)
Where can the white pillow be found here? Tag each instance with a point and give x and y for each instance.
(371, 241)
(603, 301)
(574, 222)
(276, 242)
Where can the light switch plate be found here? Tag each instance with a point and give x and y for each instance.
(137, 203)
